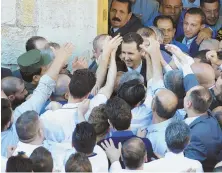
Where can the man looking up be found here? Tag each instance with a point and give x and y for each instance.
(121, 18)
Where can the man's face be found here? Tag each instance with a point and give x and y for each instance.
(167, 27)
(171, 8)
(211, 11)
(99, 49)
(40, 44)
(119, 15)
(20, 95)
(131, 55)
(192, 25)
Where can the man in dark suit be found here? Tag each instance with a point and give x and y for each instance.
(193, 22)
(131, 55)
(122, 20)
(206, 135)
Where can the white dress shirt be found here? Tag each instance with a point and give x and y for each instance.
(173, 163)
(60, 124)
(170, 163)
(3, 163)
(156, 135)
(189, 120)
(188, 42)
(138, 69)
(98, 160)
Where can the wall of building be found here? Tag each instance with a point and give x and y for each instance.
(57, 20)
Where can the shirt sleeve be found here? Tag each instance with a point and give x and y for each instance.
(96, 101)
(40, 95)
(115, 167)
(152, 88)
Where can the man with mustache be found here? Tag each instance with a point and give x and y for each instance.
(122, 20)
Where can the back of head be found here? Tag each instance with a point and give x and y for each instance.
(133, 153)
(133, 37)
(99, 119)
(19, 163)
(131, 75)
(173, 81)
(204, 73)
(200, 98)
(81, 83)
(31, 43)
(197, 11)
(28, 126)
(165, 103)
(10, 84)
(84, 138)
(42, 160)
(78, 162)
(159, 34)
(6, 113)
(202, 56)
(177, 136)
(119, 113)
(145, 32)
(133, 92)
(210, 44)
(62, 85)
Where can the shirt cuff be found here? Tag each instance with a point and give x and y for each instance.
(167, 68)
(187, 70)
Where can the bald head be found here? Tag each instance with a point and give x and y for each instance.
(205, 74)
(10, 85)
(62, 85)
(165, 103)
(133, 156)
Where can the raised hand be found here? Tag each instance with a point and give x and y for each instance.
(112, 43)
(79, 63)
(112, 152)
(213, 58)
(204, 34)
(65, 52)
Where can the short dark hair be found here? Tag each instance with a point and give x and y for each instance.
(125, 1)
(42, 160)
(99, 119)
(19, 163)
(28, 76)
(201, 99)
(27, 125)
(119, 113)
(6, 112)
(53, 44)
(177, 136)
(202, 56)
(84, 138)
(10, 84)
(132, 92)
(82, 82)
(173, 81)
(161, 111)
(78, 162)
(133, 37)
(133, 153)
(197, 11)
(163, 17)
(208, 1)
(30, 44)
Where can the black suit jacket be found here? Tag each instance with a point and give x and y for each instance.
(131, 26)
(206, 142)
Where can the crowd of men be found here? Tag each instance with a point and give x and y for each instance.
(151, 99)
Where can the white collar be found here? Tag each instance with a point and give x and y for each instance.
(138, 69)
(70, 105)
(171, 155)
(189, 120)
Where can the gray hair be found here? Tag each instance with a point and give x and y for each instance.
(159, 34)
(130, 75)
(177, 136)
(173, 80)
(10, 84)
(96, 40)
(47, 52)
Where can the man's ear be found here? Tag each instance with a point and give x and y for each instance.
(11, 98)
(130, 15)
(174, 31)
(66, 95)
(145, 158)
(36, 78)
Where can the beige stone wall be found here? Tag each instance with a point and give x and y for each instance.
(56, 20)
